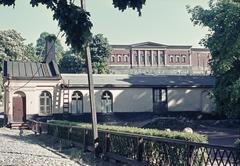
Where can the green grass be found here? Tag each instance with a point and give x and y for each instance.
(134, 130)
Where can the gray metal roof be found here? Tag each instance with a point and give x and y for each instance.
(114, 80)
(30, 70)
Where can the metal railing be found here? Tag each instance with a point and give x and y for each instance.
(154, 151)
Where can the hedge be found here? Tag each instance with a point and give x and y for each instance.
(194, 137)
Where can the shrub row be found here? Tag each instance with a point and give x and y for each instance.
(148, 132)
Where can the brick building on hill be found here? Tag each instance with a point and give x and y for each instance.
(155, 58)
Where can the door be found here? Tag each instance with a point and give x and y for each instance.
(159, 100)
(19, 111)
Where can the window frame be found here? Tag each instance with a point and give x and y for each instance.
(77, 102)
(104, 104)
(45, 104)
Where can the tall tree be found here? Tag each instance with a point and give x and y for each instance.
(71, 63)
(40, 47)
(223, 21)
(12, 47)
(100, 51)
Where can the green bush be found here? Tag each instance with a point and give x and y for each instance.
(134, 130)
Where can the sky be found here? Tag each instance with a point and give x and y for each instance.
(162, 21)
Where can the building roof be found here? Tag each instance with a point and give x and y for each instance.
(115, 80)
(157, 45)
(30, 70)
(200, 49)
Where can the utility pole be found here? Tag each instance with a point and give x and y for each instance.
(91, 89)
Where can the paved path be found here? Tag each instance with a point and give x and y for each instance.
(27, 151)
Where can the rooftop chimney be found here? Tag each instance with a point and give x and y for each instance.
(50, 48)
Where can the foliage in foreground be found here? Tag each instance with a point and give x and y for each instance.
(74, 20)
(134, 130)
(223, 21)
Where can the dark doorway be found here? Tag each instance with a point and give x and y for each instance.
(19, 107)
(159, 100)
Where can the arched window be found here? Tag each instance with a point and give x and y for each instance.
(107, 102)
(77, 102)
(177, 59)
(171, 59)
(113, 58)
(126, 58)
(119, 58)
(45, 102)
(183, 58)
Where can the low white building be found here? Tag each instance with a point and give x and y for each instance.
(38, 89)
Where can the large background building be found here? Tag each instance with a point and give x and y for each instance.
(155, 58)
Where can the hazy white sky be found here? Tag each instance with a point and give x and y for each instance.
(162, 21)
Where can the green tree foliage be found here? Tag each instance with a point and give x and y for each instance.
(100, 52)
(40, 47)
(223, 21)
(12, 47)
(71, 63)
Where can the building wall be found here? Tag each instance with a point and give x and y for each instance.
(124, 99)
(147, 59)
(177, 57)
(189, 99)
(32, 91)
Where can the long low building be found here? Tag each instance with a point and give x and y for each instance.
(38, 89)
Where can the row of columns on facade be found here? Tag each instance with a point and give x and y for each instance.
(159, 54)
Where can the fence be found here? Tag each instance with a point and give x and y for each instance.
(154, 151)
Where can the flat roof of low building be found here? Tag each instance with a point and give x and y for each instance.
(138, 81)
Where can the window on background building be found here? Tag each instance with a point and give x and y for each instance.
(136, 59)
(113, 58)
(156, 59)
(178, 59)
(162, 58)
(183, 58)
(126, 58)
(107, 102)
(45, 102)
(149, 59)
(171, 59)
(77, 102)
(119, 58)
(143, 59)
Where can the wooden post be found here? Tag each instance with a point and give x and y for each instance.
(91, 90)
(140, 149)
(107, 143)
